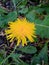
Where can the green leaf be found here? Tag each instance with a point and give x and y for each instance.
(1, 59)
(28, 49)
(21, 62)
(17, 60)
(44, 54)
(2, 53)
(4, 19)
(37, 59)
(42, 26)
(23, 10)
(19, 2)
(14, 3)
(15, 56)
(2, 10)
(12, 16)
(31, 16)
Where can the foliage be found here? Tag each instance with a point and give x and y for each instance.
(36, 11)
(41, 20)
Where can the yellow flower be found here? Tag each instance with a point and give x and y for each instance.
(21, 30)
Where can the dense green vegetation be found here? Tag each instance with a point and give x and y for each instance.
(36, 11)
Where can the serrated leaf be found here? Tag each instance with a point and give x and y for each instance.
(21, 62)
(37, 59)
(31, 16)
(2, 55)
(15, 56)
(42, 26)
(28, 49)
(12, 16)
(23, 10)
(20, 2)
(7, 18)
(2, 10)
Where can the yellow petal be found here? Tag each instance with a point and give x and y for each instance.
(18, 42)
(24, 41)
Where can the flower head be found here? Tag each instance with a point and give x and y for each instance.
(21, 30)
